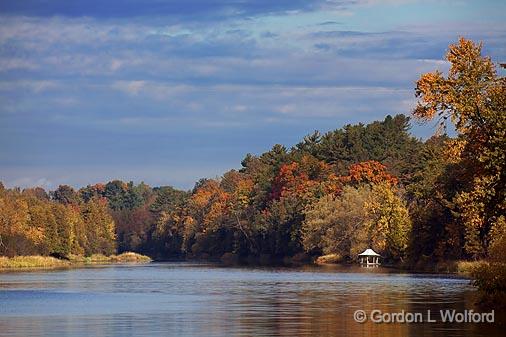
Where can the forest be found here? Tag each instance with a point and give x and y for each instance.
(416, 202)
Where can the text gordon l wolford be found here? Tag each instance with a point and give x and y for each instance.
(445, 316)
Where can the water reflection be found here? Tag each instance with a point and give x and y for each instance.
(204, 300)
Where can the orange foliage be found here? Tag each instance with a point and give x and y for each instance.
(302, 179)
(211, 200)
(291, 181)
(243, 191)
(99, 187)
(332, 185)
(371, 171)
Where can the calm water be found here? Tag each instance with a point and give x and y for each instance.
(182, 299)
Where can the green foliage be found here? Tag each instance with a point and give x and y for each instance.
(65, 194)
(122, 196)
(436, 233)
(338, 225)
(388, 142)
(168, 199)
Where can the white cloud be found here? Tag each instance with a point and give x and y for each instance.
(130, 87)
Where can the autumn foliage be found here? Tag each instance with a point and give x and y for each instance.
(31, 223)
(415, 202)
(371, 172)
(473, 97)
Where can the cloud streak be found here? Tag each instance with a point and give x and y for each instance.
(182, 84)
(187, 10)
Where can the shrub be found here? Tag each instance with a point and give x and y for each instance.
(490, 278)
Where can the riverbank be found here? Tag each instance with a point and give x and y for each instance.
(460, 267)
(37, 261)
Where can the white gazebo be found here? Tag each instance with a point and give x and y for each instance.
(369, 258)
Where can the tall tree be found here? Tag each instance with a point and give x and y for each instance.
(100, 227)
(473, 97)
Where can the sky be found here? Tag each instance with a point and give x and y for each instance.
(168, 92)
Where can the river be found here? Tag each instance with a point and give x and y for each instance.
(193, 299)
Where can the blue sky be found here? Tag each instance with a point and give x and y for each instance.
(168, 92)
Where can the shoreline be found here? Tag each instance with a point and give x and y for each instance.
(38, 262)
(460, 268)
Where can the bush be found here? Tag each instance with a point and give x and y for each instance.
(490, 278)
(468, 267)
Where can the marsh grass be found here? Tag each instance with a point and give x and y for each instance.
(130, 257)
(99, 258)
(329, 259)
(20, 262)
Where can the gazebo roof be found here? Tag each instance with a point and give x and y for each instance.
(369, 252)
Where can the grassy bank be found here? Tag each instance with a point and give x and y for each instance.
(32, 262)
(20, 262)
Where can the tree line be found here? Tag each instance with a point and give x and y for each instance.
(33, 222)
(356, 187)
